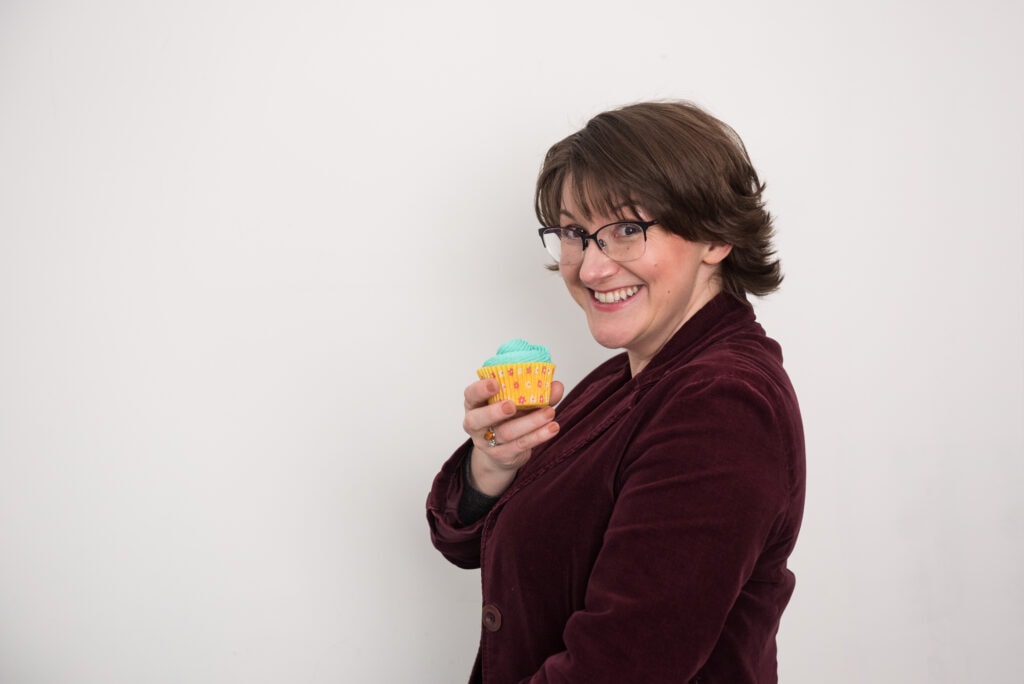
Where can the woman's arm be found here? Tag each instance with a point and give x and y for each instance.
(459, 543)
(489, 468)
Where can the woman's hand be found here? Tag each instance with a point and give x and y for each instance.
(514, 434)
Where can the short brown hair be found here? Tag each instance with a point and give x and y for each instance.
(686, 168)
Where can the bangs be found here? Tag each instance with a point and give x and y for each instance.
(606, 170)
(603, 196)
(595, 191)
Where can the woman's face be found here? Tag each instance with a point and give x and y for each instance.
(638, 305)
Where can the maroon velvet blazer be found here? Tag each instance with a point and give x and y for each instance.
(647, 542)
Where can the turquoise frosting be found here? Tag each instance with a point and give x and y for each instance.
(519, 351)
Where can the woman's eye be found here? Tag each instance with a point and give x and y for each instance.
(627, 229)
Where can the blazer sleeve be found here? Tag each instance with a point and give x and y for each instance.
(459, 543)
(701, 487)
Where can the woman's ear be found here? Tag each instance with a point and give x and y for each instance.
(715, 252)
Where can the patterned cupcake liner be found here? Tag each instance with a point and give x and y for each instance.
(527, 385)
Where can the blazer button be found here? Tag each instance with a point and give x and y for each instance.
(492, 618)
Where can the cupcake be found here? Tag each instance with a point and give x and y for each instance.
(524, 372)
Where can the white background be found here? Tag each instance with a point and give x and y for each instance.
(252, 251)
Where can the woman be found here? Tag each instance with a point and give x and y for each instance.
(640, 533)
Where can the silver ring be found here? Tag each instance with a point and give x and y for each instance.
(492, 439)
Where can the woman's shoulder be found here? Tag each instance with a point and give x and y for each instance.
(738, 375)
(744, 353)
(733, 402)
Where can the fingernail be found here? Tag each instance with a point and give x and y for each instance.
(508, 408)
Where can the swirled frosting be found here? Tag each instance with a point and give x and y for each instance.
(519, 351)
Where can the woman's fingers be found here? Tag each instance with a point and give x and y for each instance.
(478, 420)
(503, 438)
(524, 431)
(557, 391)
(505, 434)
(508, 446)
(492, 467)
(479, 392)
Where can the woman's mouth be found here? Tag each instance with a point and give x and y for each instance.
(613, 296)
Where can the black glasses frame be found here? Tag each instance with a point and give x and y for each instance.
(586, 237)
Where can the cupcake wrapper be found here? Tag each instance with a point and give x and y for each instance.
(527, 385)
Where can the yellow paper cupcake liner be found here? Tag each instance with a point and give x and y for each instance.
(527, 385)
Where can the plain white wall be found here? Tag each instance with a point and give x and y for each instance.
(252, 251)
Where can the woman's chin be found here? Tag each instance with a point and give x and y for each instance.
(611, 339)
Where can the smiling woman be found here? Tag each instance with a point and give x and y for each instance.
(644, 534)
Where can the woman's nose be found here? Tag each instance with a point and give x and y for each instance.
(595, 265)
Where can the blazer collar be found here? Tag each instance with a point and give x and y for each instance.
(720, 316)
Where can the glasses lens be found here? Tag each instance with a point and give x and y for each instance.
(623, 241)
(564, 245)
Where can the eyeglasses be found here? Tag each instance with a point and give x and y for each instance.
(621, 241)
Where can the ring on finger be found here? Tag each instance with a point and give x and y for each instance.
(492, 440)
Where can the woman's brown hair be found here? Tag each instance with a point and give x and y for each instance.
(684, 167)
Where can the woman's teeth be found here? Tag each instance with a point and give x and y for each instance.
(616, 295)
